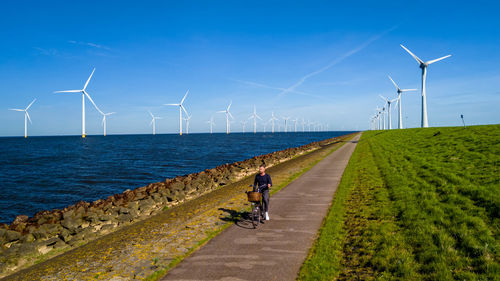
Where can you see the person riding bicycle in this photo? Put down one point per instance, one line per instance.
(263, 182)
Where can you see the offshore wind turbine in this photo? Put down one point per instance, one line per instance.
(243, 125)
(255, 116)
(303, 123)
(389, 102)
(26, 117)
(295, 124)
(153, 121)
(423, 65)
(228, 114)
(400, 112)
(181, 108)
(211, 123)
(286, 121)
(273, 118)
(104, 119)
(187, 123)
(84, 93)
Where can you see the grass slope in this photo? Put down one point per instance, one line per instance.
(416, 204)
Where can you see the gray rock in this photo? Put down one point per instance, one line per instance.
(71, 224)
(65, 235)
(123, 210)
(134, 205)
(11, 235)
(125, 218)
(27, 238)
(107, 228)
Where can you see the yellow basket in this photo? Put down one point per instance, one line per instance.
(254, 196)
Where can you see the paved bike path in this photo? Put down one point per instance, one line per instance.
(276, 249)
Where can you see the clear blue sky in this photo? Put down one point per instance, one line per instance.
(148, 53)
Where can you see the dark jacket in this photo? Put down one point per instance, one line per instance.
(262, 181)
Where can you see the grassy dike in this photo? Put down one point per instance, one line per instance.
(148, 249)
(415, 204)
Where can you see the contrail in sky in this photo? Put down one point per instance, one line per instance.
(334, 62)
(275, 88)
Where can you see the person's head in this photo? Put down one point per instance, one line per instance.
(262, 169)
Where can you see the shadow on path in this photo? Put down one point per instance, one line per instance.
(241, 219)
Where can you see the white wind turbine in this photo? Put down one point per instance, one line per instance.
(104, 119)
(273, 118)
(187, 119)
(26, 117)
(228, 114)
(303, 124)
(153, 121)
(84, 93)
(400, 112)
(181, 108)
(379, 120)
(383, 115)
(423, 65)
(254, 116)
(389, 102)
(243, 125)
(211, 123)
(295, 124)
(286, 123)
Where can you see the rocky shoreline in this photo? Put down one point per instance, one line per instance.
(26, 239)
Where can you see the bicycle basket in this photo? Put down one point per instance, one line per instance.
(254, 196)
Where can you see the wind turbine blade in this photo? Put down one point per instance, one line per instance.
(441, 58)
(222, 111)
(185, 111)
(413, 55)
(69, 91)
(229, 106)
(91, 100)
(230, 114)
(176, 104)
(396, 85)
(184, 96)
(383, 98)
(30, 104)
(88, 80)
(27, 114)
(407, 90)
(151, 123)
(258, 116)
(15, 109)
(151, 114)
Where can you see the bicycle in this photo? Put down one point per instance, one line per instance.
(255, 197)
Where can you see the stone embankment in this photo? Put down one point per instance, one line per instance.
(26, 240)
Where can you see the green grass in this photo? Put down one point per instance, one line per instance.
(416, 204)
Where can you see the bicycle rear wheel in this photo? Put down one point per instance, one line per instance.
(256, 216)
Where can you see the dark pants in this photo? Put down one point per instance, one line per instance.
(265, 200)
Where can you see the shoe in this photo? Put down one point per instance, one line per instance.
(267, 216)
